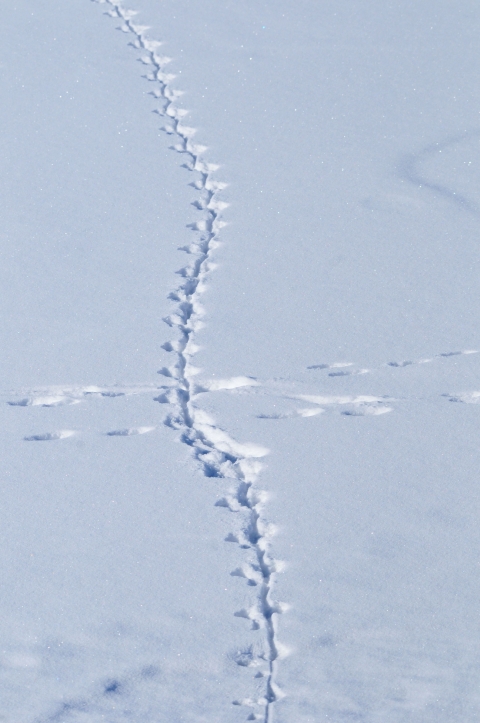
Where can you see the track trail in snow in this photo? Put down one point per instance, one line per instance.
(215, 451)
(317, 394)
(345, 369)
(217, 454)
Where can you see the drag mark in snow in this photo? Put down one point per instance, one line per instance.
(217, 454)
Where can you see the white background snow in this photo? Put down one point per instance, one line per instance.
(334, 322)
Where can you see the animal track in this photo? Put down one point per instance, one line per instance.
(366, 410)
(466, 398)
(336, 365)
(48, 436)
(216, 452)
(401, 364)
(216, 385)
(349, 373)
(396, 364)
(54, 401)
(63, 434)
(129, 432)
(308, 412)
(56, 397)
(341, 367)
(357, 406)
(59, 396)
(354, 406)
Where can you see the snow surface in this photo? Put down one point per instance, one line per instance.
(281, 525)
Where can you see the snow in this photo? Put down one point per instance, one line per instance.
(265, 508)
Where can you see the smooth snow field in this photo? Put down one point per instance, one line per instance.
(240, 396)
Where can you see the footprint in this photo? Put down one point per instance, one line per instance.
(253, 614)
(336, 400)
(308, 412)
(251, 573)
(400, 364)
(352, 373)
(337, 365)
(48, 436)
(366, 411)
(446, 354)
(129, 432)
(47, 401)
(246, 657)
(467, 398)
(216, 385)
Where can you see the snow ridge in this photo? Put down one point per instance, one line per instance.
(217, 454)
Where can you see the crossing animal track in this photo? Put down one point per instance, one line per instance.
(354, 406)
(53, 397)
(56, 396)
(360, 406)
(346, 405)
(66, 433)
(342, 369)
(349, 405)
